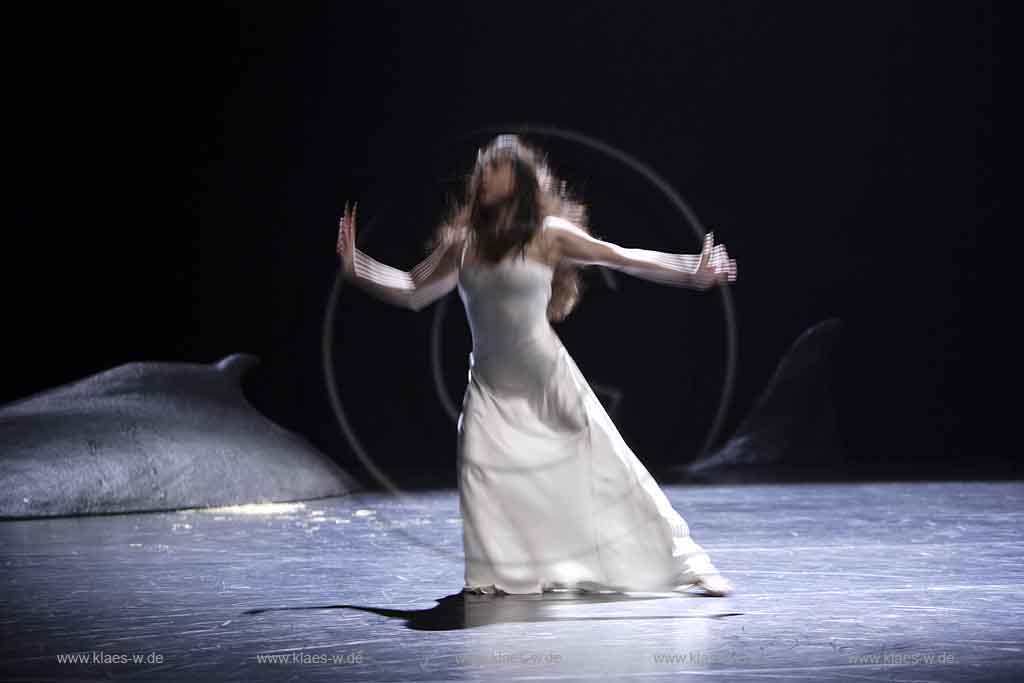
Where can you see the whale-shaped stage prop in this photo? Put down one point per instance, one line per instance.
(154, 436)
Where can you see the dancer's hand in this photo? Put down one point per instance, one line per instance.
(715, 266)
(347, 241)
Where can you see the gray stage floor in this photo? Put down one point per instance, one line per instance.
(900, 581)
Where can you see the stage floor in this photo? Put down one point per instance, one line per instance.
(871, 581)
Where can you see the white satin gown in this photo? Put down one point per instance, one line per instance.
(550, 494)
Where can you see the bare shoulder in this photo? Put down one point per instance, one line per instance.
(557, 231)
(573, 244)
(444, 255)
(556, 227)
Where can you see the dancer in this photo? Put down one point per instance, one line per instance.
(551, 496)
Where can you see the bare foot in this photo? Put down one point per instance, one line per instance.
(716, 585)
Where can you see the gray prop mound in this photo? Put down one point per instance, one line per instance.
(793, 423)
(153, 436)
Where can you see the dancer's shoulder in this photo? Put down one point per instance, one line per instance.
(557, 228)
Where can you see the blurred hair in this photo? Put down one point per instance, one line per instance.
(538, 193)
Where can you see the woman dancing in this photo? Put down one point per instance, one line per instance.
(551, 496)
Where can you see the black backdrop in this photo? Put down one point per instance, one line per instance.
(178, 173)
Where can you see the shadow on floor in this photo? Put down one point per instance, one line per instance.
(466, 610)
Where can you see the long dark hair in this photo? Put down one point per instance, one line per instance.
(538, 193)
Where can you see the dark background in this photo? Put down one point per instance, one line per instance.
(178, 173)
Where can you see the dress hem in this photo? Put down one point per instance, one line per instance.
(593, 587)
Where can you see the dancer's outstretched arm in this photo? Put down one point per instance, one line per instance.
(428, 281)
(698, 271)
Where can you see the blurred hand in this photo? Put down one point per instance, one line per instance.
(347, 241)
(715, 266)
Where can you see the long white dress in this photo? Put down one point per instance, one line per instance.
(550, 494)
